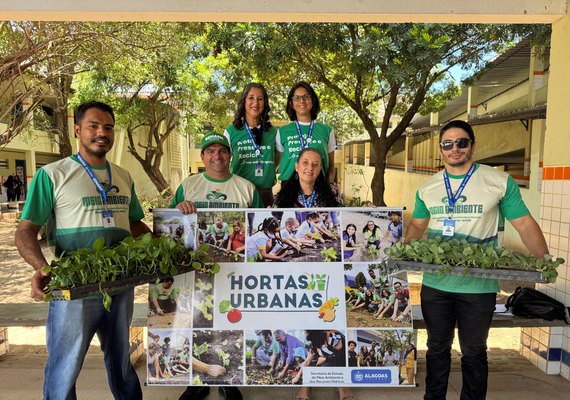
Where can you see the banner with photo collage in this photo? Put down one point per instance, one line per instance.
(302, 298)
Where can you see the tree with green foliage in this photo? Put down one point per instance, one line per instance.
(162, 82)
(383, 72)
(37, 63)
(360, 280)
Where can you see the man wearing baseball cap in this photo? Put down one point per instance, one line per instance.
(214, 188)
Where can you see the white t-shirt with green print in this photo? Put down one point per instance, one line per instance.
(489, 197)
(206, 192)
(62, 194)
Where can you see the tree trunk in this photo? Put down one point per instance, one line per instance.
(378, 184)
(61, 87)
(158, 180)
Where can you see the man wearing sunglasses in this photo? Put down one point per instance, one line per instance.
(465, 201)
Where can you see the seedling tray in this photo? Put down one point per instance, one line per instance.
(82, 291)
(494, 273)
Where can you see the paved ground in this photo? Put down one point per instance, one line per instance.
(510, 378)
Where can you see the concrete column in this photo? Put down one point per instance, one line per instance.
(555, 205)
(472, 94)
(409, 149)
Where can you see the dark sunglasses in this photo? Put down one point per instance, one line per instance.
(461, 143)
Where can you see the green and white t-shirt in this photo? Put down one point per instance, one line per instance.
(287, 142)
(489, 197)
(244, 160)
(62, 194)
(205, 192)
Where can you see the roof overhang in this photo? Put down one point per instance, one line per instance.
(434, 11)
(530, 113)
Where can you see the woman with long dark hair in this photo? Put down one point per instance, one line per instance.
(303, 132)
(18, 186)
(252, 140)
(349, 237)
(372, 234)
(409, 363)
(307, 187)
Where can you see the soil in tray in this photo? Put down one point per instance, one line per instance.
(258, 375)
(220, 256)
(310, 254)
(363, 319)
(231, 342)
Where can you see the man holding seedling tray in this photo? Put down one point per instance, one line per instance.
(82, 198)
(465, 201)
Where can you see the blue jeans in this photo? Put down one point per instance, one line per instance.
(473, 314)
(70, 327)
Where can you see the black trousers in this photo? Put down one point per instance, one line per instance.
(473, 314)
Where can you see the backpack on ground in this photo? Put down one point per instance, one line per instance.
(530, 303)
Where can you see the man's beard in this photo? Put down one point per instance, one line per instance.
(461, 162)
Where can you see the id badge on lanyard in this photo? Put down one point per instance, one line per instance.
(108, 219)
(106, 215)
(448, 227)
(449, 222)
(258, 164)
(258, 169)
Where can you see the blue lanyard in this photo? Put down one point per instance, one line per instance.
(255, 146)
(92, 176)
(452, 198)
(309, 135)
(310, 203)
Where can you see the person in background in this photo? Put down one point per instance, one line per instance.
(409, 363)
(364, 359)
(236, 241)
(387, 303)
(265, 350)
(164, 297)
(349, 237)
(10, 191)
(218, 233)
(487, 196)
(82, 198)
(18, 187)
(371, 233)
(395, 228)
(303, 132)
(287, 345)
(252, 141)
(352, 354)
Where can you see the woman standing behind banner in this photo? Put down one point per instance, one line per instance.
(304, 132)
(252, 141)
(308, 188)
